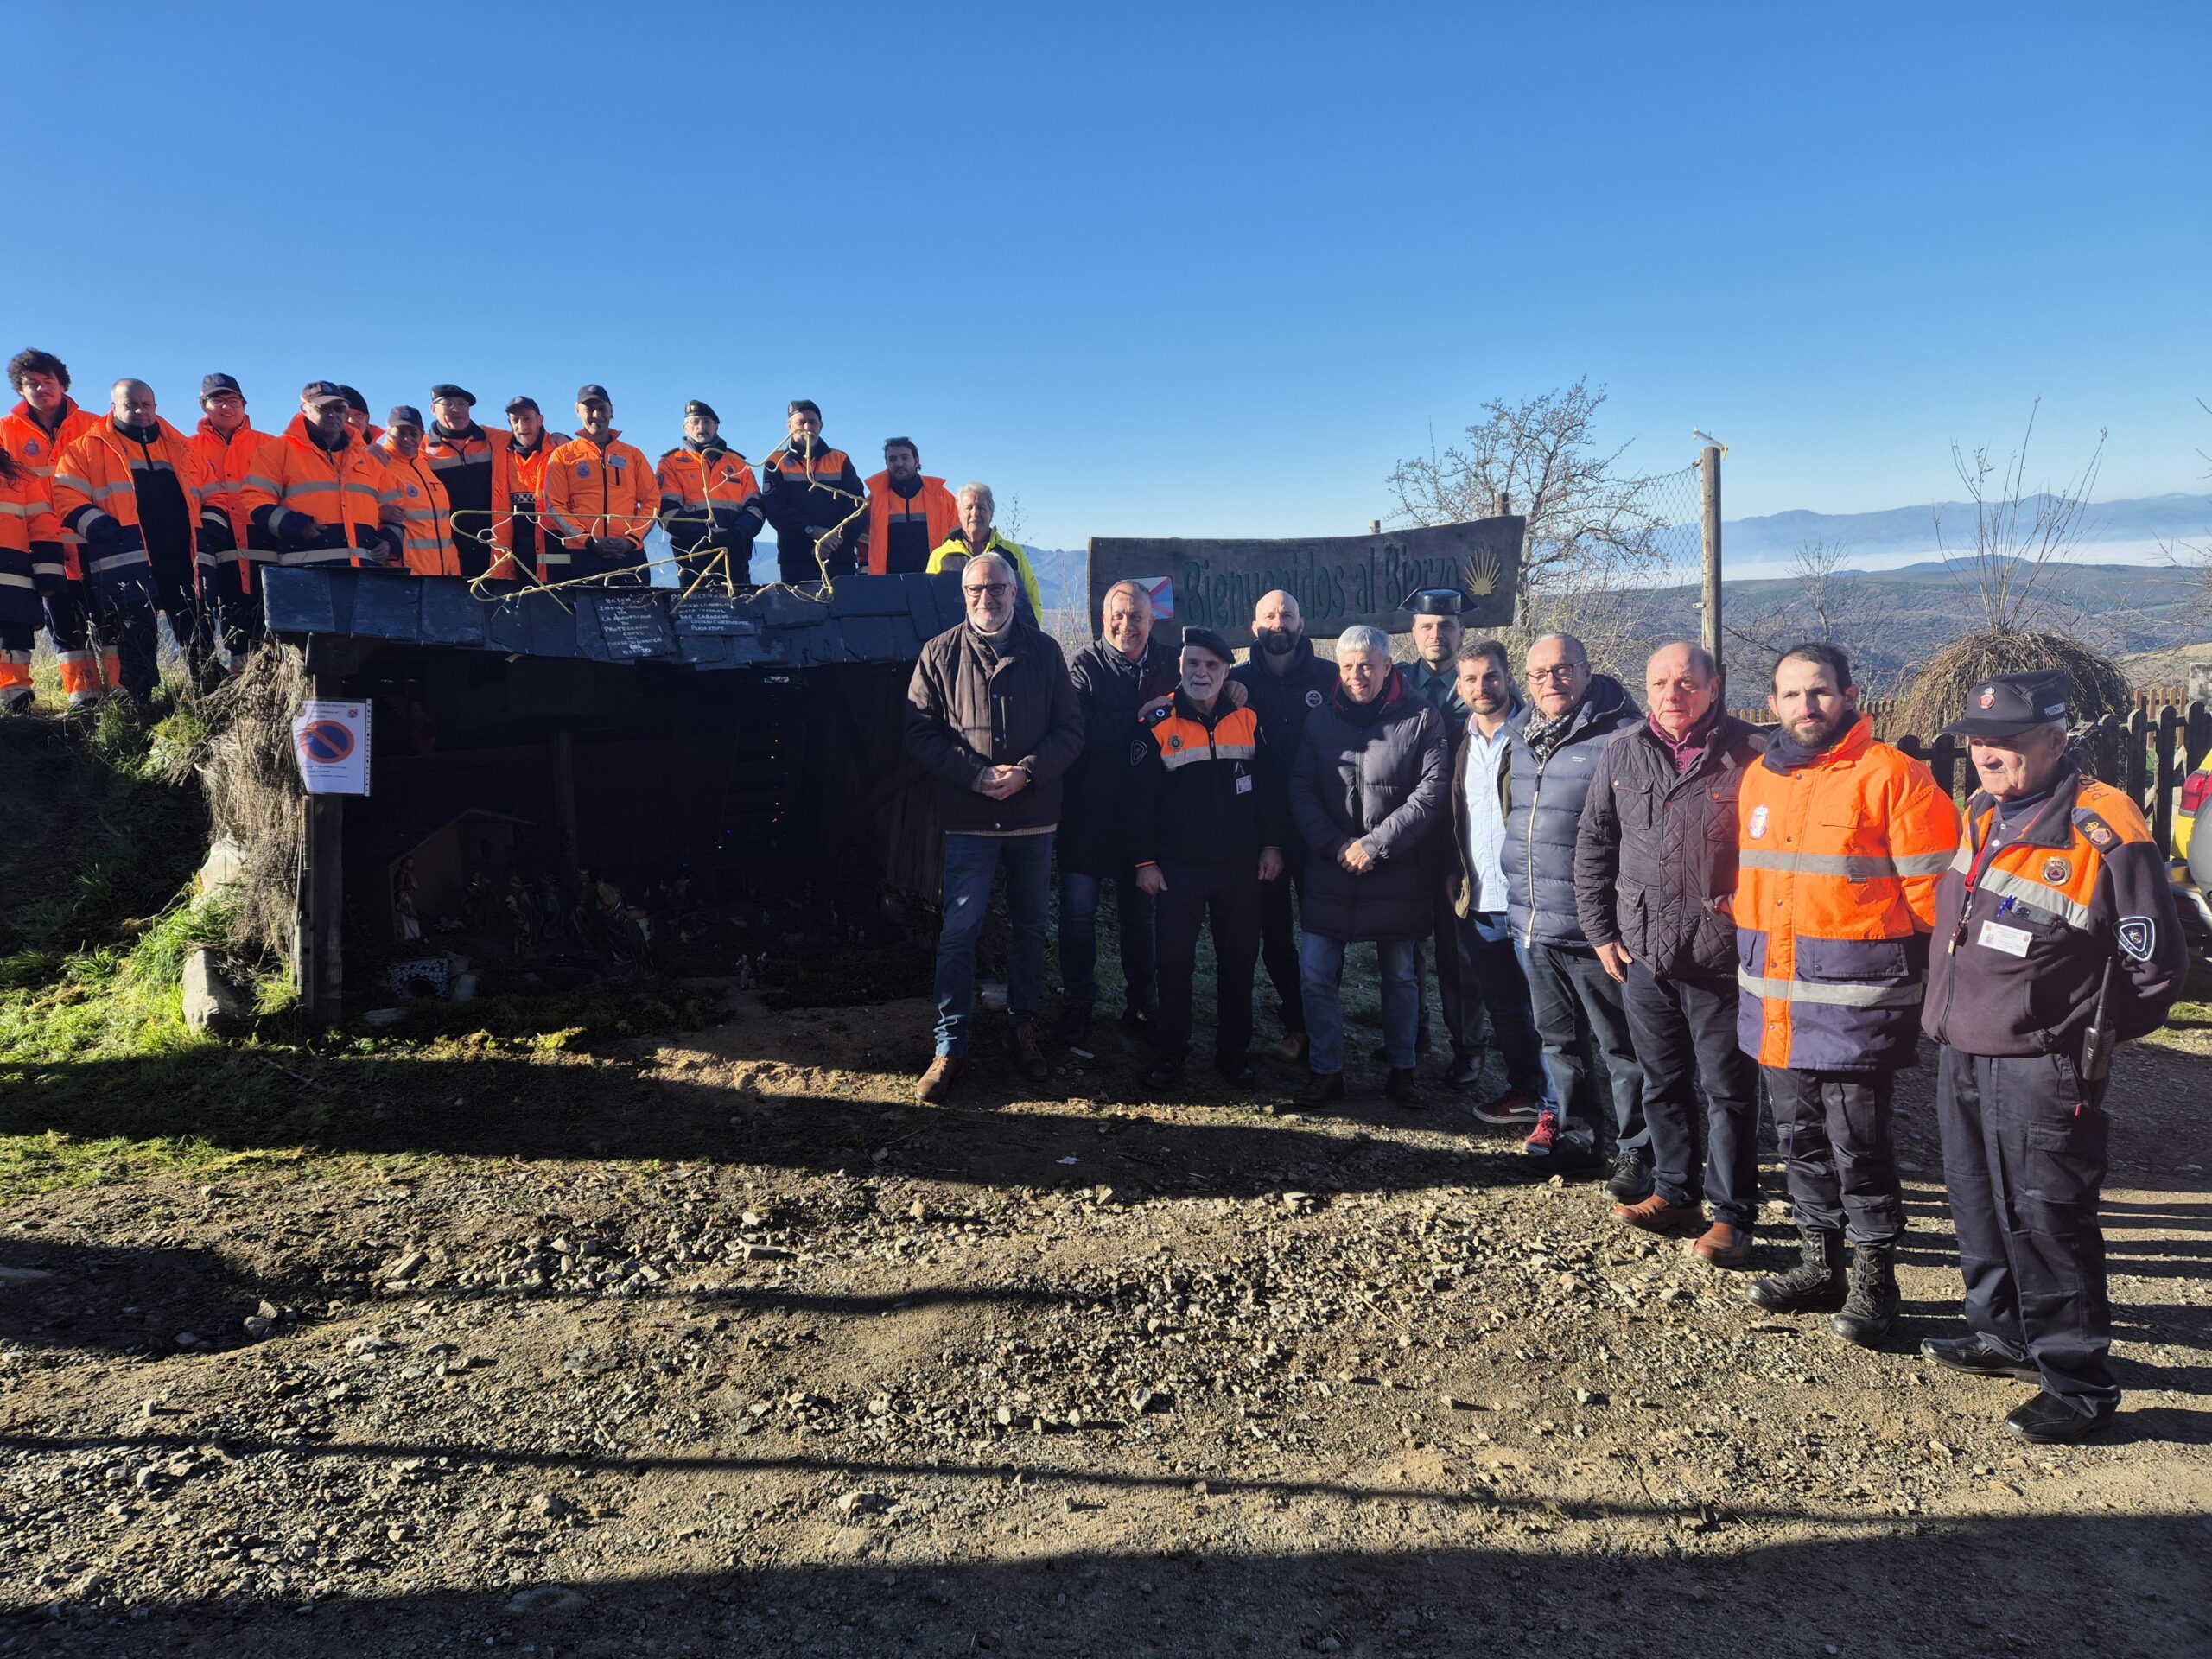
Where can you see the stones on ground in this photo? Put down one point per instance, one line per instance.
(544, 1600)
(212, 1003)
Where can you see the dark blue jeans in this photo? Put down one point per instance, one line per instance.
(1079, 939)
(1685, 1034)
(970, 861)
(1572, 997)
(1487, 963)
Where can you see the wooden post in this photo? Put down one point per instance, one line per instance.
(319, 931)
(1709, 470)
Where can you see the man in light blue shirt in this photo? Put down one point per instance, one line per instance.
(1476, 881)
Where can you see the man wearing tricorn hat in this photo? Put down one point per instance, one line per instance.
(2056, 937)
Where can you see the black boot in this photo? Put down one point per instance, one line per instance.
(1869, 1310)
(1814, 1285)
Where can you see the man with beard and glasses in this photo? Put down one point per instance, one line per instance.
(1840, 843)
(1283, 681)
(909, 515)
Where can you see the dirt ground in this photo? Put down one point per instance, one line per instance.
(725, 1346)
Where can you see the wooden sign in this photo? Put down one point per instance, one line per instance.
(1340, 581)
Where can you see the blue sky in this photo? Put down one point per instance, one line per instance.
(1189, 270)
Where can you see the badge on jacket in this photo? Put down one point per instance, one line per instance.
(1758, 825)
(1313, 699)
(2139, 936)
(1138, 749)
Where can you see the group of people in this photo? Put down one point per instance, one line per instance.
(1660, 913)
(110, 518)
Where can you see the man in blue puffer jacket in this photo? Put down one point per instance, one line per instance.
(1570, 716)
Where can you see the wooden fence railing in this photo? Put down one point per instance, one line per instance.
(2147, 753)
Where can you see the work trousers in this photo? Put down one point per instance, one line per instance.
(970, 862)
(15, 640)
(1570, 996)
(1834, 1130)
(69, 621)
(123, 620)
(1278, 941)
(1321, 972)
(2023, 1160)
(1079, 939)
(1230, 891)
(238, 618)
(1684, 1029)
(1489, 965)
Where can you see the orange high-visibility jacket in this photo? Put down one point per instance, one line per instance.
(592, 491)
(522, 532)
(345, 492)
(31, 546)
(96, 479)
(491, 539)
(932, 507)
(32, 446)
(693, 482)
(1837, 864)
(426, 514)
(223, 463)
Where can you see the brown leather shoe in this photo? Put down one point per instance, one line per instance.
(1723, 1246)
(936, 1086)
(1656, 1215)
(1291, 1048)
(1028, 1056)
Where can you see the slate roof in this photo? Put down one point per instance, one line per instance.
(868, 619)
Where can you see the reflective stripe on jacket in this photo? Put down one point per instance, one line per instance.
(426, 512)
(36, 448)
(1194, 789)
(30, 545)
(957, 547)
(591, 492)
(533, 549)
(97, 478)
(474, 470)
(223, 463)
(931, 510)
(1837, 863)
(345, 491)
(702, 496)
(2017, 960)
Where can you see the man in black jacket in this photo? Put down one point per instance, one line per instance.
(1655, 866)
(1113, 678)
(1366, 791)
(1557, 740)
(1284, 682)
(1204, 837)
(991, 716)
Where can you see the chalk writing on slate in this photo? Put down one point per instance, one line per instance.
(633, 625)
(714, 614)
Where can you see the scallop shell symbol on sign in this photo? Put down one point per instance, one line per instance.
(1480, 573)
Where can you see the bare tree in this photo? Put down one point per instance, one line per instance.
(2019, 537)
(2196, 557)
(1590, 523)
(1833, 599)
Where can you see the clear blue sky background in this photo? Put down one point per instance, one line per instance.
(1195, 269)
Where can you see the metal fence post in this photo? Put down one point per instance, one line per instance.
(1709, 476)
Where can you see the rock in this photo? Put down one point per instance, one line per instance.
(407, 1267)
(768, 1253)
(859, 1502)
(223, 869)
(544, 1598)
(212, 1002)
(553, 1507)
(24, 1276)
(258, 1327)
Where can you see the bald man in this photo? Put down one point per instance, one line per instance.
(1284, 682)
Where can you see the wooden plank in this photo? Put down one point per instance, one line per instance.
(1340, 581)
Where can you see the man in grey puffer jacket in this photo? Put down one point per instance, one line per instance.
(1653, 874)
(1557, 740)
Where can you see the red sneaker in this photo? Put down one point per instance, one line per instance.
(1544, 1140)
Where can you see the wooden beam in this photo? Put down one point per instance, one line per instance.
(318, 915)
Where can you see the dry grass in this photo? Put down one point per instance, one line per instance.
(1936, 693)
(254, 794)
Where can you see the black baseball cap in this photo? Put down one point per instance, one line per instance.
(447, 388)
(212, 384)
(353, 399)
(321, 392)
(1207, 639)
(404, 415)
(530, 403)
(592, 394)
(2012, 703)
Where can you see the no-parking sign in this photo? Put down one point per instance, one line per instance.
(332, 742)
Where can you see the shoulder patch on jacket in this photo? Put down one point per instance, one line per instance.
(2102, 835)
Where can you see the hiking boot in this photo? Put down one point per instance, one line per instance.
(1870, 1308)
(1508, 1109)
(1814, 1285)
(1291, 1048)
(1544, 1140)
(2049, 1421)
(1321, 1088)
(1403, 1087)
(1075, 1025)
(17, 700)
(1630, 1181)
(1167, 1071)
(1974, 1355)
(1464, 1071)
(1656, 1215)
(1028, 1057)
(1236, 1071)
(936, 1085)
(1723, 1246)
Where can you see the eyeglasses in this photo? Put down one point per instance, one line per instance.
(1563, 673)
(995, 589)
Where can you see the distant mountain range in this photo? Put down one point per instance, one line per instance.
(2112, 531)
